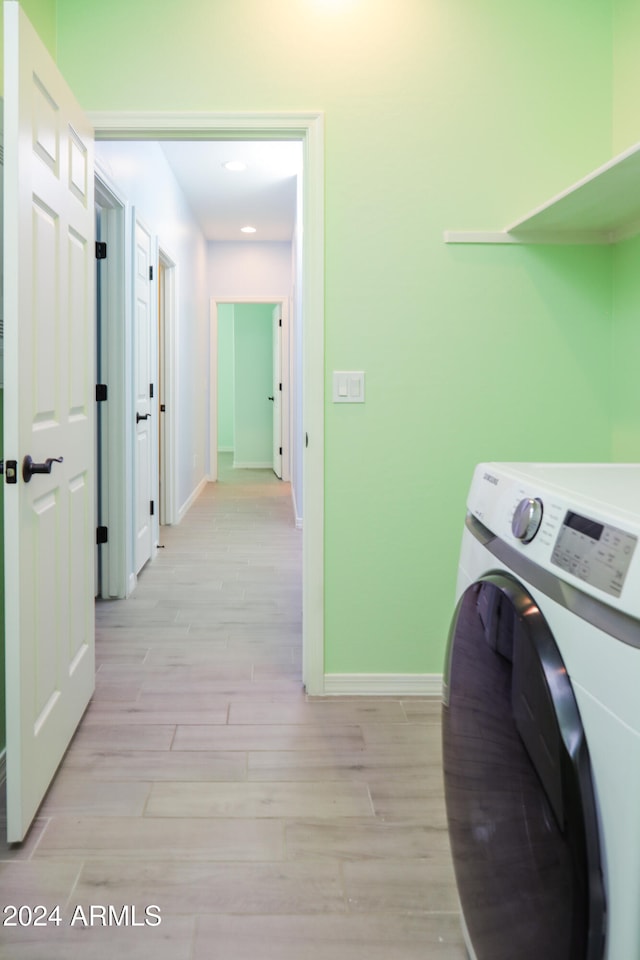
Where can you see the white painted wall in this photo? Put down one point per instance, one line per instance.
(143, 177)
(240, 270)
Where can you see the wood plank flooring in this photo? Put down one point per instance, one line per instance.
(263, 824)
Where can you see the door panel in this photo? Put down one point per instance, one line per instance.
(48, 413)
(143, 373)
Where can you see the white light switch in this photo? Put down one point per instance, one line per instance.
(348, 386)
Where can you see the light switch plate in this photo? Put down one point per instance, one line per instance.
(348, 386)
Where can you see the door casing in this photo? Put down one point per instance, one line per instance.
(308, 128)
(115, 371)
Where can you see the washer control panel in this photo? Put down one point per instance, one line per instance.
(595, 552)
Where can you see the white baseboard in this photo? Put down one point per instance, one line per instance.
(383, 684)
(186, 506)
(258, 465)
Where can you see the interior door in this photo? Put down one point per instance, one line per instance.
(48, 413)
(144, 326)
(277, 390)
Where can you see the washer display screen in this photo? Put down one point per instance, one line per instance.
(594, 552)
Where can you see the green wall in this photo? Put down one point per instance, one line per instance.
(42, 14)
(253, 384)
(626, 73)
(439, 114)
(626, 256)
(226, 385)
(626, 351)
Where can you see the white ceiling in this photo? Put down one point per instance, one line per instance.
(262, 196)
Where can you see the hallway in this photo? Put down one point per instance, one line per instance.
(262, 824)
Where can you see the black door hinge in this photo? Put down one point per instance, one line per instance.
(280, 322)
(162, 408)
(151, 391)
(151, 273)
(152, 508)
(280, 451)
(101, 250)
(280, 386)
(102, 535)
(101, 392)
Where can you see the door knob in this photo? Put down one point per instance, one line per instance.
(142, 416)
(29, 467)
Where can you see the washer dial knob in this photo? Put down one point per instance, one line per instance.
(526, 520)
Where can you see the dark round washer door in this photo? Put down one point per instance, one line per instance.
(518, 784)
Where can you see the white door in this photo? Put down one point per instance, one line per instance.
(144, 326)
(277, 390)
(48, 413)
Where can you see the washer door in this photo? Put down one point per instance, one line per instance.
(518, 784)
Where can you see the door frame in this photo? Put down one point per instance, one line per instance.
(308, 128)
(287, 375)
(115, 439)
(167, 423)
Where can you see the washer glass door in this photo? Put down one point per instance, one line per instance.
(518, 785)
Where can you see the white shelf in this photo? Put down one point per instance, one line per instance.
(603, 207)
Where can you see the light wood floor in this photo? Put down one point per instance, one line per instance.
(263, 824)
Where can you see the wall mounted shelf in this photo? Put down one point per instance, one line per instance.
(603, 207)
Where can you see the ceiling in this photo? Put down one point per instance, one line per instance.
(262, 196)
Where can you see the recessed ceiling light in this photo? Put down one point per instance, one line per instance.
(234, 165)
(247, 229)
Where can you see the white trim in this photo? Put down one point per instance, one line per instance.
(115, 372)
(213, 391)
(383, 684)
(169, 419)
(258, 465)
(307, 127)
(186, 506)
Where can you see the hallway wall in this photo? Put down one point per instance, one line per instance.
(241, 270)
(142, 173)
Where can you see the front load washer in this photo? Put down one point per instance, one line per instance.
(541, 713)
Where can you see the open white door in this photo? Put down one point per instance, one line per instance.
(277, 390)
(48, 413)
(144, 325)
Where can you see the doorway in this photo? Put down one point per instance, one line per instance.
(279, 382)
(308, 129)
